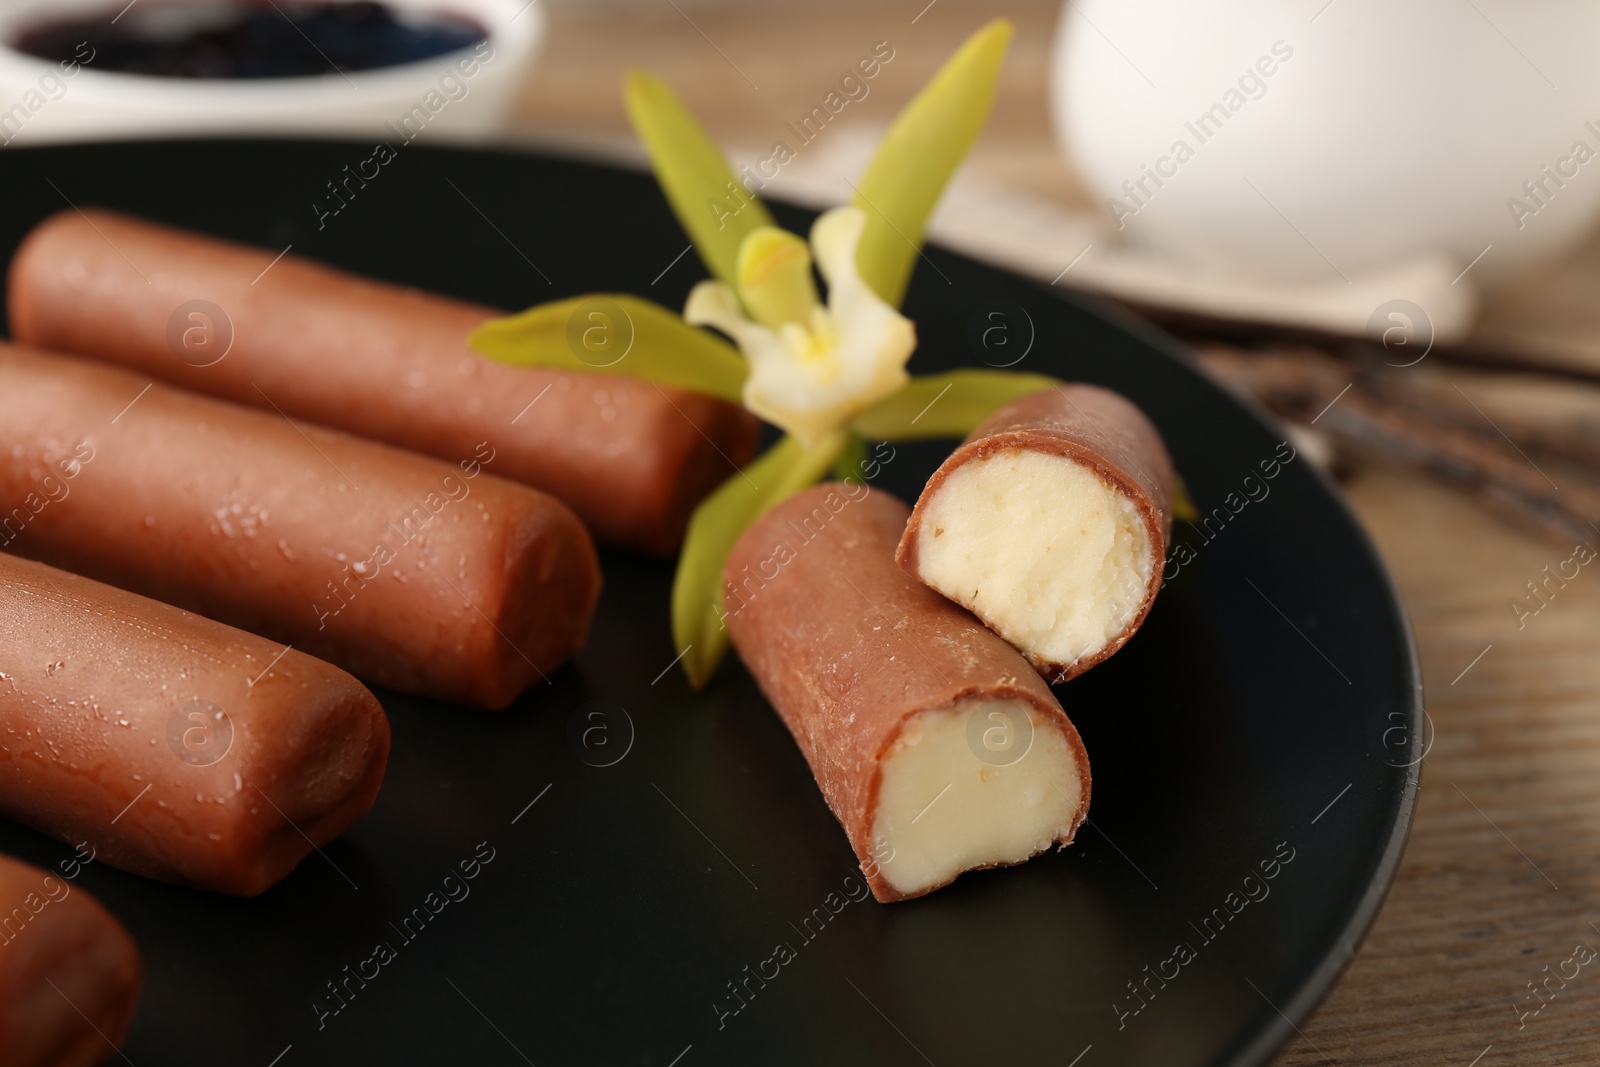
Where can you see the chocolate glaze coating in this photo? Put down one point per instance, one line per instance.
(61, 953)
(848, 647)
(377, 360)
(100, 743)
(400, 568)
(1102, 430)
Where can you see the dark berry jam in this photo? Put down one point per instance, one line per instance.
(250, 38)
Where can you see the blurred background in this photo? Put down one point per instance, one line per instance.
(1378, 222)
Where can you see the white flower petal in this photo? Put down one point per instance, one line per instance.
(834, 237)
(715, 304)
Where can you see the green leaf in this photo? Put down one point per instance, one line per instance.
(1182, 503)
(946, 405)
(853, 460)
(716, 525)
(714, 208)
(917, 156)
(614, 333)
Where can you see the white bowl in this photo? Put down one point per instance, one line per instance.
(40, 102)
(1391, 130)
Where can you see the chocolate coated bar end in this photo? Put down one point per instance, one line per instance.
(69, 972)
(1050, 524)
(955, 794)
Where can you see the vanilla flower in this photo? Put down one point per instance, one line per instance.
(813, 367)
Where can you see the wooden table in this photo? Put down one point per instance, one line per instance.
(1501, 877)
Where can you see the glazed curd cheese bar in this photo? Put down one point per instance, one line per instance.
(1050, 523)
(173, 746)
(69, 972)
(428, 577)
(938, 748)
(374, 359)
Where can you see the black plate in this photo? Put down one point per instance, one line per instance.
(1269, 708)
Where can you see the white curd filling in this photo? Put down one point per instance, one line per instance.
(981, 783)
(1041, 548)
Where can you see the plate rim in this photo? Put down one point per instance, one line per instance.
(1319, 981)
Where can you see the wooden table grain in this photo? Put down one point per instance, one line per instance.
(1501, 879)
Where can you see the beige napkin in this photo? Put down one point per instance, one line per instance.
(1058, 244)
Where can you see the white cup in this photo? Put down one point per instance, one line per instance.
(1325, 139)
(461, 95)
